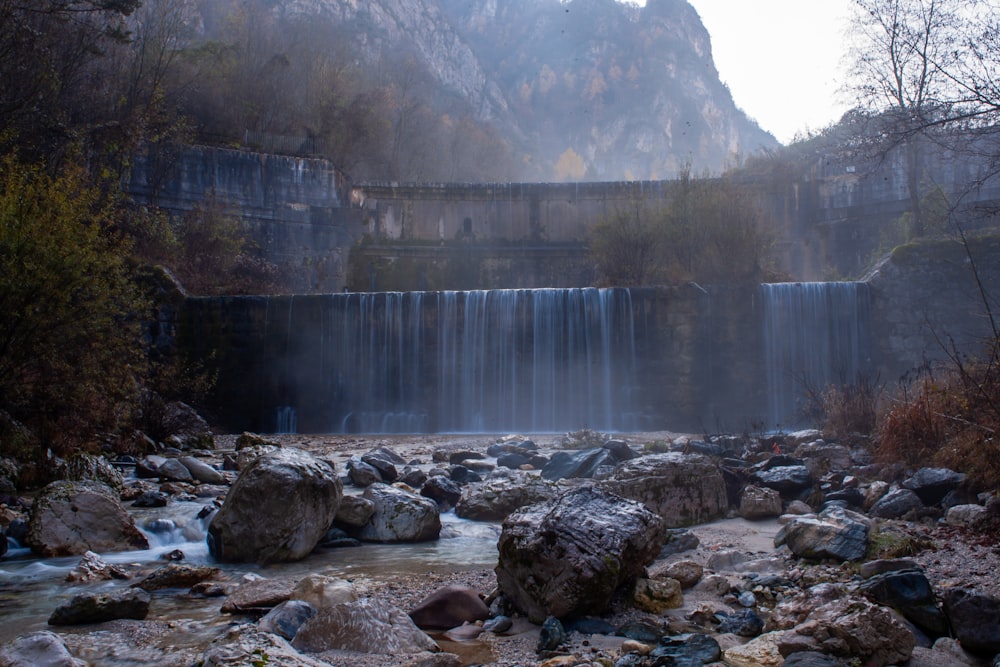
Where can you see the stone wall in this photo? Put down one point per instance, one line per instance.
(931, 299)
(296, 208)
(308, 219)
(700, 353)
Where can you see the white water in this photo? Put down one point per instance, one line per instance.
(815, 335)
(31, 588)
(540, 360)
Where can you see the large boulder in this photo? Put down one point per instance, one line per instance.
(72, 518)
(791, 481)
(932, 484)
(84, 467)
(568, 556)
(975, 618)
(202, 471)
(759, 503)
(908, 591)
(836, 533)
(400, 516)
(278, 509)
(859, 629)
(502, 493)
(578, 464)
(365, 626)
(450, 607)
(684, 489)
(895, 504)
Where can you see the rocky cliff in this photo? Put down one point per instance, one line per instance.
(582, 90)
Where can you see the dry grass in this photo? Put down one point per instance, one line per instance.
(951, 420)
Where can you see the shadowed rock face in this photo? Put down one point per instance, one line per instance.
(567, 557)
(277, 510)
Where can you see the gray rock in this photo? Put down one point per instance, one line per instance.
(100, 607)
(568, 556)
(413, 477)
(797, 438)
(400, 516)
(361, 473)
(176, 575)
(151, 499)
(384, 460)
(441, 490)
(286, 619)
(759, 503)
(909, 592)
(975, 517)
(278, 509)
(366, 626)
(551, 636)
(682, 489)
(38, 649)
(895, 504)
(323, 591)
(822, 457)
(691, 649)
(836, 533)
(201, 471)
(245, 645)
(790, 481)
(256, 595)
(450, 607)
(578, 464)
(71, 518)
(813, 659)
(974, 618)
(93, 568)
(354, 511)
(502, 493)
(856, 628)
(745, 623)
(175, 471)
(83, 467)
(932, 484)
(686, 572)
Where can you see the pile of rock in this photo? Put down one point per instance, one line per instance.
(593, 552)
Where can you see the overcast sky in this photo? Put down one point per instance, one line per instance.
(780, 58)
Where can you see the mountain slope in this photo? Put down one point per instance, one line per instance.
(582, 90)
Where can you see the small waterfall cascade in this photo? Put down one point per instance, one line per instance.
(532, 360)
(815, 335)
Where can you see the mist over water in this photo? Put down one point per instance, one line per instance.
(815, 335)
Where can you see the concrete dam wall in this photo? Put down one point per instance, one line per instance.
(326, 234)
(684, 358)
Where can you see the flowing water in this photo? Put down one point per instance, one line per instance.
(815, 335)
(31, 588)
(487, 361)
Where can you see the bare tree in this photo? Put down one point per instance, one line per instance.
(900, 57)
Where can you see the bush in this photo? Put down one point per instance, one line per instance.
(951, 421)
(706, 230)
(846, 410)
(71, 352)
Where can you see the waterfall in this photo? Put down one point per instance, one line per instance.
(531, 360)
(815, 335)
